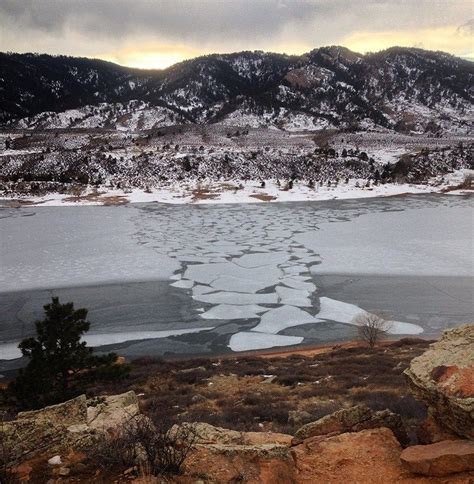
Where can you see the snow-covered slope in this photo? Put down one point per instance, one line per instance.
(130, 116)
(403, 89)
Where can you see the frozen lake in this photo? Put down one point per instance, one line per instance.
(183, 279)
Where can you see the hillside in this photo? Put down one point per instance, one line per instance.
(400, 412)
(403, 89)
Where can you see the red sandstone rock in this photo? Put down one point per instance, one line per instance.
(440, 459)
(443, 378)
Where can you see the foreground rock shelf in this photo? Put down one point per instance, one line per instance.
(354, 444)
(443, 378)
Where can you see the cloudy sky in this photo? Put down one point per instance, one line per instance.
(158, 33)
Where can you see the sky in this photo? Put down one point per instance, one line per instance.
(159, 33)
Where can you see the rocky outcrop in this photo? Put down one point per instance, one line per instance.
(112, 411)
(364, 457)
(68, 413)
(430, 432)
(443, 378)
(353, 419)
(45, 430)
(76, 423)
(369, 456)
(205, 433)
(440, 459)
(224, 455)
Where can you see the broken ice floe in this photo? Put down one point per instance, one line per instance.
(238, 298)
(246, 341)
(278, 319)
(231, 311)
(183, 284)
(251, 268)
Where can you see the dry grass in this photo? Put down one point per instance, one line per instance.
(277, 393)
(98, 197)
(228, 187)
(18, 203)
(466, 184)
(203, 194)
(255, 393)
(114, 200)
(264, 197)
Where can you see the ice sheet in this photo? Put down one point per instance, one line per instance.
(238, 298)
(73, 246)
(421, 242)
(246, 341)
(183, 284)
(207, 273)
(345, 313)
(293, 297)
(278, 319)
(10, 351)
(231, 311)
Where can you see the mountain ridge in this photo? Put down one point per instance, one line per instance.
(403, 89)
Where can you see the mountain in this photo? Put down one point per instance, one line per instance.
(404, 89)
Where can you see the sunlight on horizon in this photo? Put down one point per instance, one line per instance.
(151, 56)
(161, 56)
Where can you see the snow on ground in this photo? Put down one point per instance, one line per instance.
(251, 192)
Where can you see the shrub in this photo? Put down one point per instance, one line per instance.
(371, 327)
(154, 449)
(321, 409)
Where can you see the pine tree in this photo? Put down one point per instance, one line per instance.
(57, 356)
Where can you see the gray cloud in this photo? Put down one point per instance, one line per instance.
(216, 24)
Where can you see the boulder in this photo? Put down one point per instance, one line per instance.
(205, 434)
(430, 432)
(352, 419)
(368, 456)
(45, 430)
(222, 455)
(68, 413)
(443, 378)
(71, 424)
(440, 459)
(241, 464)
(112, 411)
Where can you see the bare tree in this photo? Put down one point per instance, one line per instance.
(371, 327)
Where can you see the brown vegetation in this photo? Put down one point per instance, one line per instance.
(272, 393)
(264, 197)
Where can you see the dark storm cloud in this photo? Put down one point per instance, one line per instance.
(206, 18)
(115, 27)
(171, 18)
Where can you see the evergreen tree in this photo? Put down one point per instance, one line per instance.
(58, 360)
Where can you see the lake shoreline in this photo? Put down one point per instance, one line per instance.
(232, 279)
(239, 192)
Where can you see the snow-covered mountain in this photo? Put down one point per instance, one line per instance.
(402, 89)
